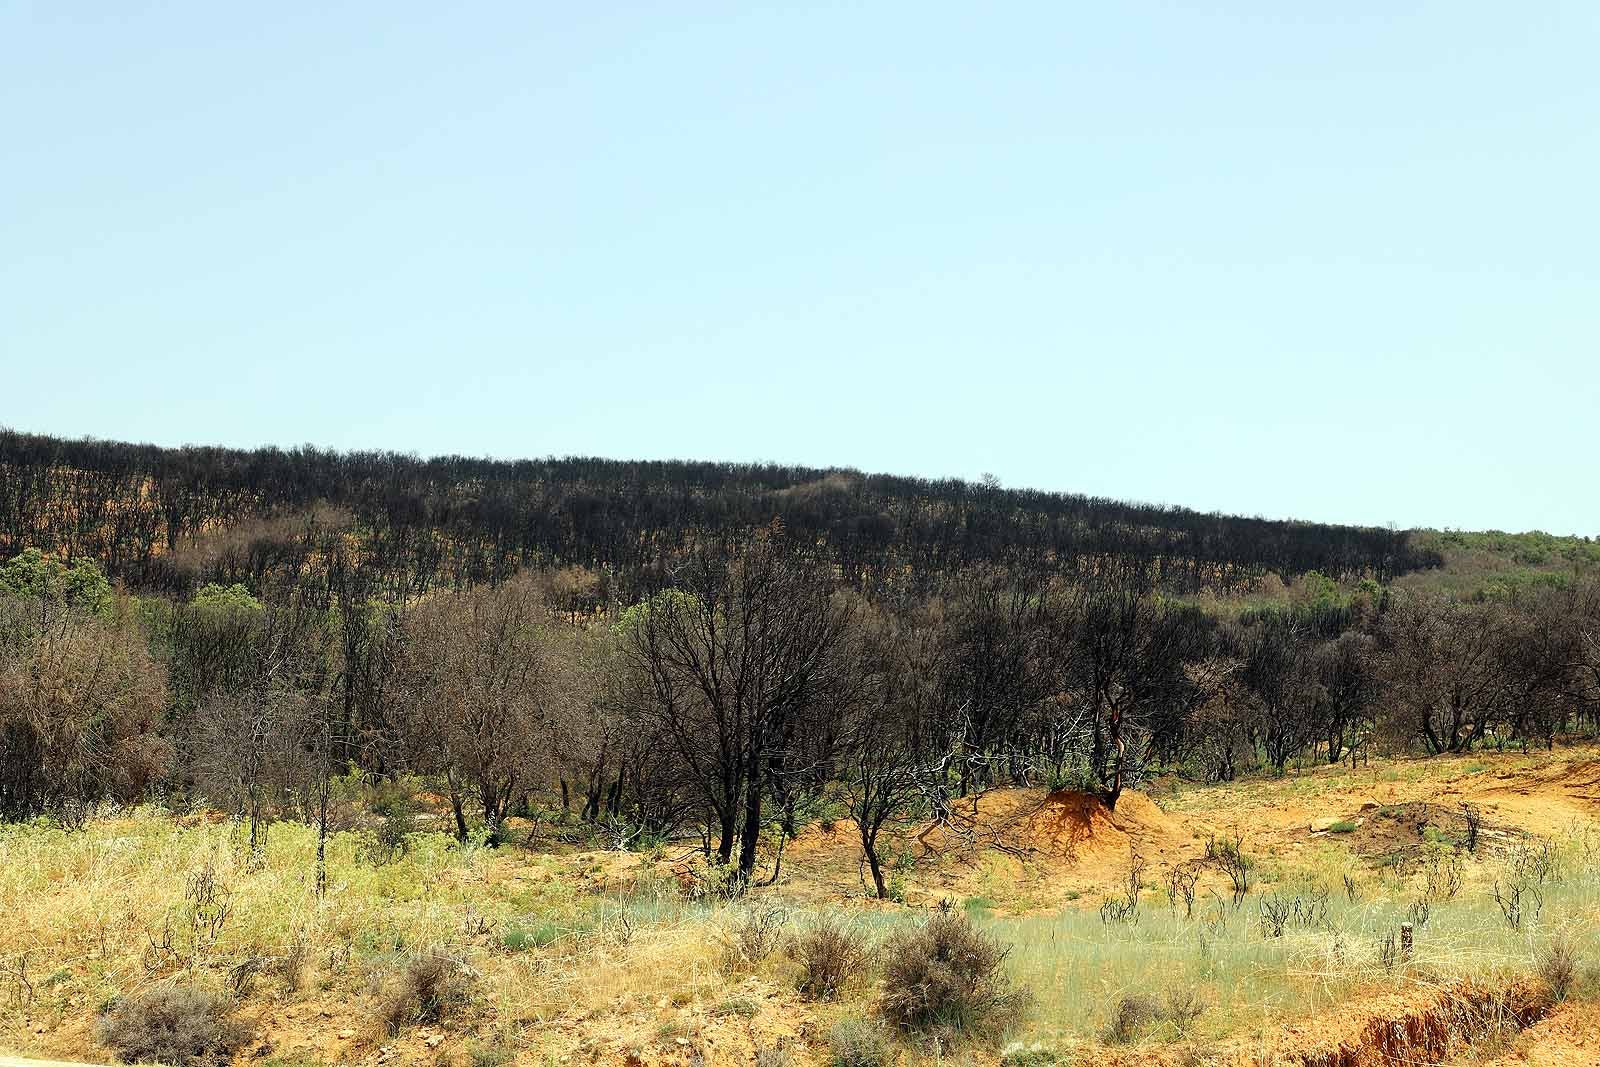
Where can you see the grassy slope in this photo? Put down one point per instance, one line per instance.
(1490, 560)
(596, 954)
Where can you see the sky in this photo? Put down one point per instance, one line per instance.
(1338, 262)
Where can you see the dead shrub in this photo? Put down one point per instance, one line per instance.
(1517, 900)
(1443, 872)
(948, 975)
(1474, 821)
(178, 1025)
(1388, 951)
(830, 952)
(1183, 1009)
(1181, 885)
(1131, 1015)
(1228, 856)
(427, 989)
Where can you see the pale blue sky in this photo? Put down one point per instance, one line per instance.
(1334, 261)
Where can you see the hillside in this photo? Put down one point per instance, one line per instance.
(159, 518)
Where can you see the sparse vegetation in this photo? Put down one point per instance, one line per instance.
(757, 933)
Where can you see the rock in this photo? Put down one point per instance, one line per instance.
(346, 1034)
(434, 1040)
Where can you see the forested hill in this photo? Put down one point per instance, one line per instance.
(167, 518)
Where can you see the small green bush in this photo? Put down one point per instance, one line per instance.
(1017, 1054)
(741, 1006)
(491, 1054)
(1343, 826)
(519, 938)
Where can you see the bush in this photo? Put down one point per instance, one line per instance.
(1017, 1054)
(830, 952)
(1558, 965)
(947, 974)
(391, 839)
(1133, 1012)
(776, 1056)
(752, 939)
(854, 1043)
(491, 1054)
(172, 1024)
(426, 990)
(1183, 1008)
(519, 938)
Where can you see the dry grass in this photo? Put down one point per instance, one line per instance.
(575, 954)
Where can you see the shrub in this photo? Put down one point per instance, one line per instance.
(1183, 1007)
(948, 974)
(1343, 826)
(391, 839)
(291, 966)
(1133, 1013)
(776, 1056)
(854, 1043)
(741, 1006)
(752, 939)
(491, 1054)
(427, 989)
(172, 1024)
(1017, 1054)
(519, 938)
(1557, 963)
(830, 952)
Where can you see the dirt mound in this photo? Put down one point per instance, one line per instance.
(1047, 848)
(1078, 827)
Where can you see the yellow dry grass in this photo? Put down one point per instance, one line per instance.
(594, 956)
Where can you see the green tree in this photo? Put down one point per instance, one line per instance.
(33, 575)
